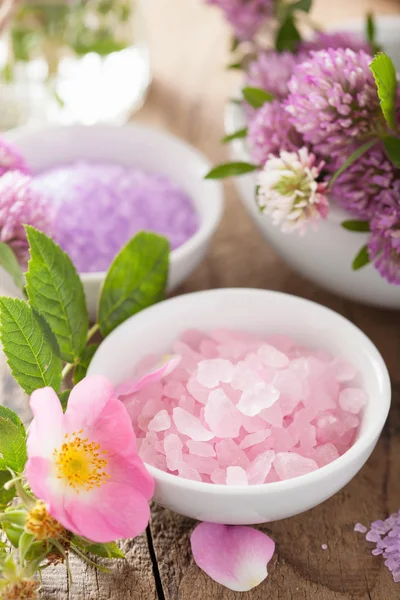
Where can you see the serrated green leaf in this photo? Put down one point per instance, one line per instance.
(6, 496)
(136, 279)
(9, 262)
(361, 259)
(384, 73)
(109, 550)
(64, 396)
(256, 97)
(288, 36)
(240, 134)
(354, 225)
(352, 158)
(84, 362)
(29, 346)
(232, 169)
(12, 445)
(9, 414)
(56, 292)
(392, 147)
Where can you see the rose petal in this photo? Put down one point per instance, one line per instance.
(233, 556)
(167, 367)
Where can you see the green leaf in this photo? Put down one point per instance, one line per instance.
(352, 158)
(370, 31)
(392, 147)
(234, 44)
(84, 362)
(109, 550)
(239, 134)
(7, 413)
(288, 36)
(304, 5)
(237, 66)
(256, 97)
(384, 73)
(354, 225)
(64, 396)
(6, 496)
(136, 279)
(29, 346)
(361, 259)
(232, 169)
(9, 262)
(56, 292)
(12, 445)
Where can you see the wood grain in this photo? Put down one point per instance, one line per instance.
(188, 43)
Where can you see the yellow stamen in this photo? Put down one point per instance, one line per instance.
(81, 463)
(42, 525)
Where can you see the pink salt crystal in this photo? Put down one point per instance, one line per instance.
(200, 448)
(189, 425)
(281, 342)
(209, 349)
(324, 546)
(160, 422)
(289, 386)
(236, 476)
(352, 400)
(360, 528)
(198, 391)
(190, 358)
(174, 389)
(272, 357)
(325, 454)
(281, 439)
(221, 415)
(202, 464)
(149, 410)
(213, 371)
(254, 438)
(258, 398)
(273, 415)
(193, 338)
(188, 472)
(219, 476)
(260, 467)
(245, 377)
(290, 464)
(253, 424)
(173, 450)
(342, 370)
(272, 476)
(148, 447)
(188, 403)
(229, 454)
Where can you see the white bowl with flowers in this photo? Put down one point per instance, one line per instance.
(328, 112)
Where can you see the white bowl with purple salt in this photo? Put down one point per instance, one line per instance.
(107, 183)
(248, 405)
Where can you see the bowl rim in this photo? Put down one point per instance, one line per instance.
(213, 206)
(359, 447)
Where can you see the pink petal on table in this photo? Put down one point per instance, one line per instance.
(134, 385)
(234, 556)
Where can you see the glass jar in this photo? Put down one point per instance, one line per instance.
(76, 61)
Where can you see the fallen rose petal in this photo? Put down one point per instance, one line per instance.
(234, 556)
(134, 385)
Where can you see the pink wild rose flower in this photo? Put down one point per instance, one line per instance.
(83, 464)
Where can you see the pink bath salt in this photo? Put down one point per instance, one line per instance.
(257, 399)
(187, 472)
(189, 425)
(282, 343)
(193, 338)
(232, 351)
(289, 386)
(160, 422)
(282, 440)
(260, 467)
(229, 454)
(236, 476)
(221, 416)
(290, 464)
(198, 391)
(203, 464)
(218, 476)
(214, 371)
(352, 400)
(200, 448)
(253, 424)
(273, 415)
(254, 438)
(209, 349)
(173, 451)
(147, 447)
(325, 454)
(189, 358)
(149, 411)
(272, 357)
(174, 390)
(342, 370)
(245, 377)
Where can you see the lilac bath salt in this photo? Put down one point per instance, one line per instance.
(100, 206)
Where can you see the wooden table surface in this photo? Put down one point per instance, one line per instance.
(188, 44)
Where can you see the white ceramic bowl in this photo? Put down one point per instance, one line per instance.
(325, 256)
(142, 147)
(261, 312)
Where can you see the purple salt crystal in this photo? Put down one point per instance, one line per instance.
(360, 528)
(100, 206)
